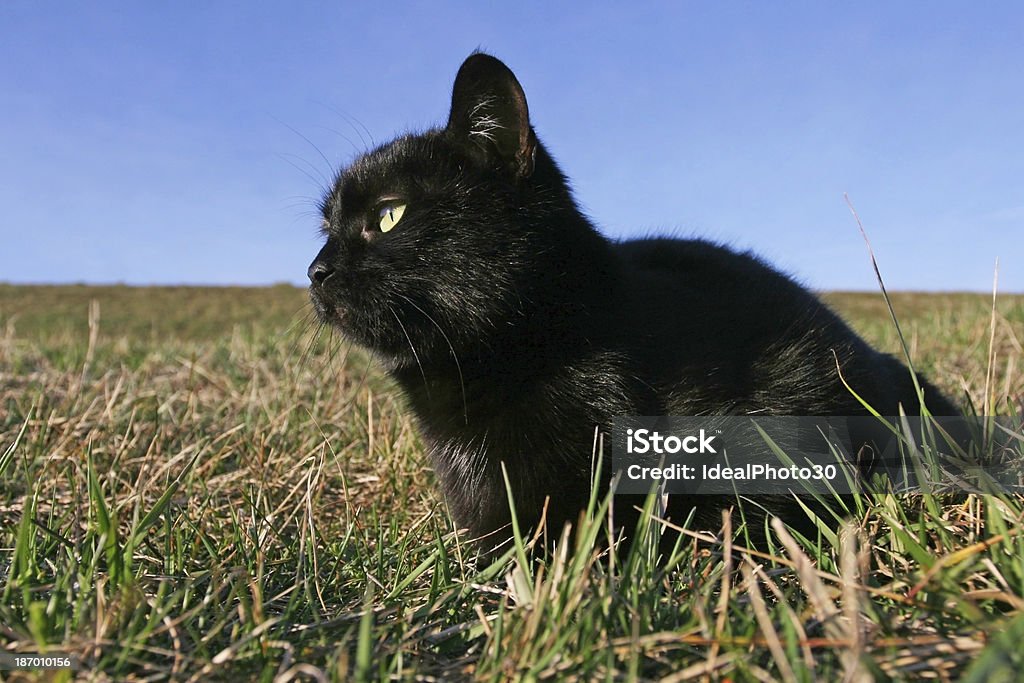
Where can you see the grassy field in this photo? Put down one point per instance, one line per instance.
(191, 488)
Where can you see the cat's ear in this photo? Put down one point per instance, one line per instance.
(489, 109)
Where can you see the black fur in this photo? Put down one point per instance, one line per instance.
(514, 328)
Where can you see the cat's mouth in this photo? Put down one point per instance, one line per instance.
(328, 312)
(344, 318)
(337, 316)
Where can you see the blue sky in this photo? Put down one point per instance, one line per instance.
(167, 142)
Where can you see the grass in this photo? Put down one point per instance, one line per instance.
(188, 492)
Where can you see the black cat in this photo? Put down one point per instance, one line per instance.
(460, 259)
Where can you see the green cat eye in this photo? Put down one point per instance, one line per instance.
(390, 214)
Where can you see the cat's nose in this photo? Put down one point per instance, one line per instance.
(319, 272)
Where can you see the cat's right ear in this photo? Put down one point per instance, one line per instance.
(489, 110)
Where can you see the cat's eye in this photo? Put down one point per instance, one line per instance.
(390, 214)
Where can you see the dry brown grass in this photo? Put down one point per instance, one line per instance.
(187, 491)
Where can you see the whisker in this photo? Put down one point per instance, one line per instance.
(330, 166)
(332, 348)
(366, 130)
(296, 330)
(366, 373)
(455, 356)
(349, 119)
(311, 343)
(345, 138)
(412, 348)
(321, 181)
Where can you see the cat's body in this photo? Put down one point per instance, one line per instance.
(516, 330)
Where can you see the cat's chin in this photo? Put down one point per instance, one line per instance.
(393, 362)
(327, 313)
(391, 359)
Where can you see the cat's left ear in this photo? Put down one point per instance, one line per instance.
(489, 109)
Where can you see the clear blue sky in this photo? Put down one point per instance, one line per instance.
(163, 142)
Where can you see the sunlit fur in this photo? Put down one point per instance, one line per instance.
(515, 329)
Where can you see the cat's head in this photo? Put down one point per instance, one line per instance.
(437, 240)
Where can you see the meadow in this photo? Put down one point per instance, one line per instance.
(194, 487)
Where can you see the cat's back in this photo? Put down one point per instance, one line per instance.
(699, 314)
(700, 263)
(707, 285)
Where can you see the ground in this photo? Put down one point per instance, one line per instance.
(193, 487)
